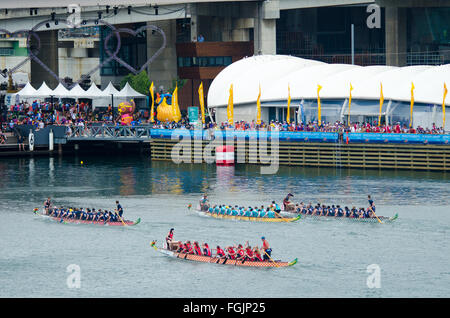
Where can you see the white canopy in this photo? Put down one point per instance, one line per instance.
(43, 91)
(60, 91)
(275, 72)
(27, 91)
(110, 89)
(128, 91)
(77, 92)
(95, 92)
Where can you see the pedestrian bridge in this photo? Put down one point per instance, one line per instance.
(109, 133)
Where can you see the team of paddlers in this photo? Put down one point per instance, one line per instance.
(273, 210)
(235, 252)
(84, 214)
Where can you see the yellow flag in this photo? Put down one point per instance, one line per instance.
(443, 106)
(175, 108)
(288, 119)
(381, 103)
(230, 107)
(152, 109)
(258, 107)
(412, 104)
(202, 101)
(349, 104)
(318, 104)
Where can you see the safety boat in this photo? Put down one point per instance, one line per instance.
(78, 221)
(222, 261)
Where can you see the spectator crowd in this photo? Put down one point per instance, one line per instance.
(41, 114)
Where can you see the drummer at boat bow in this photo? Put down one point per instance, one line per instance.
(287, 205)
(47, 204)
(169, 237)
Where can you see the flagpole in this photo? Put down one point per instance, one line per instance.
(381, 104)
(258, 107)
(412, 104)
(288, 115)
(349, 104)
(443, 107)
(319, 114)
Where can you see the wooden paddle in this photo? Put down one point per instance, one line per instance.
(121, 220)
(270, 258)
(281, 217)
(376, 215)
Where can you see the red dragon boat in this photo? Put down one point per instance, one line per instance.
(223, 261)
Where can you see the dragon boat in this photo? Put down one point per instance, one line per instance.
(380, 219)
(279, 219)
(78, 221)
(222, 261)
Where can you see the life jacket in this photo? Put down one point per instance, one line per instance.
(249, 252)
(188, 248)
(220, 252)
(197, 250)
(241, 252)
(258, 257)
(170, 236)
(265, 245)
(231, 253)
(207, 251)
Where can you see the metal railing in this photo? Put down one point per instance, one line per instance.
(113, 133)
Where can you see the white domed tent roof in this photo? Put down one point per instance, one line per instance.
(247, 74)
(275, 72)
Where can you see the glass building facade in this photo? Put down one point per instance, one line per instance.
(325, 34)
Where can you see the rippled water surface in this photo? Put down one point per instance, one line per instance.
(412, 252)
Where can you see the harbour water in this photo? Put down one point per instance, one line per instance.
(412, 253)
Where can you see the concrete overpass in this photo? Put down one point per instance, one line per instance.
(234, 20)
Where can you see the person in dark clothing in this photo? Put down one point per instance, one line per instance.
(119, 209)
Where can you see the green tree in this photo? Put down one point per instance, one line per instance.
(139, 82)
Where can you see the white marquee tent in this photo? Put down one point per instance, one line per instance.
(99, 97)
(27, 91)
(275, 72)
(127, 92)
(43, 91)
(60, 91)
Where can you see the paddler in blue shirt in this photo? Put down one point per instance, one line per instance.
(276, 207)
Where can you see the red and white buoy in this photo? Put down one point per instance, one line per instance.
(225, 155)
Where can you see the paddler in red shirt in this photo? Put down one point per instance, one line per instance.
(219, 252)
(197, 249)
(240, 252)
(188, 248)
(231, 254)
(206, 250)
(249, 253)
(257, 254)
